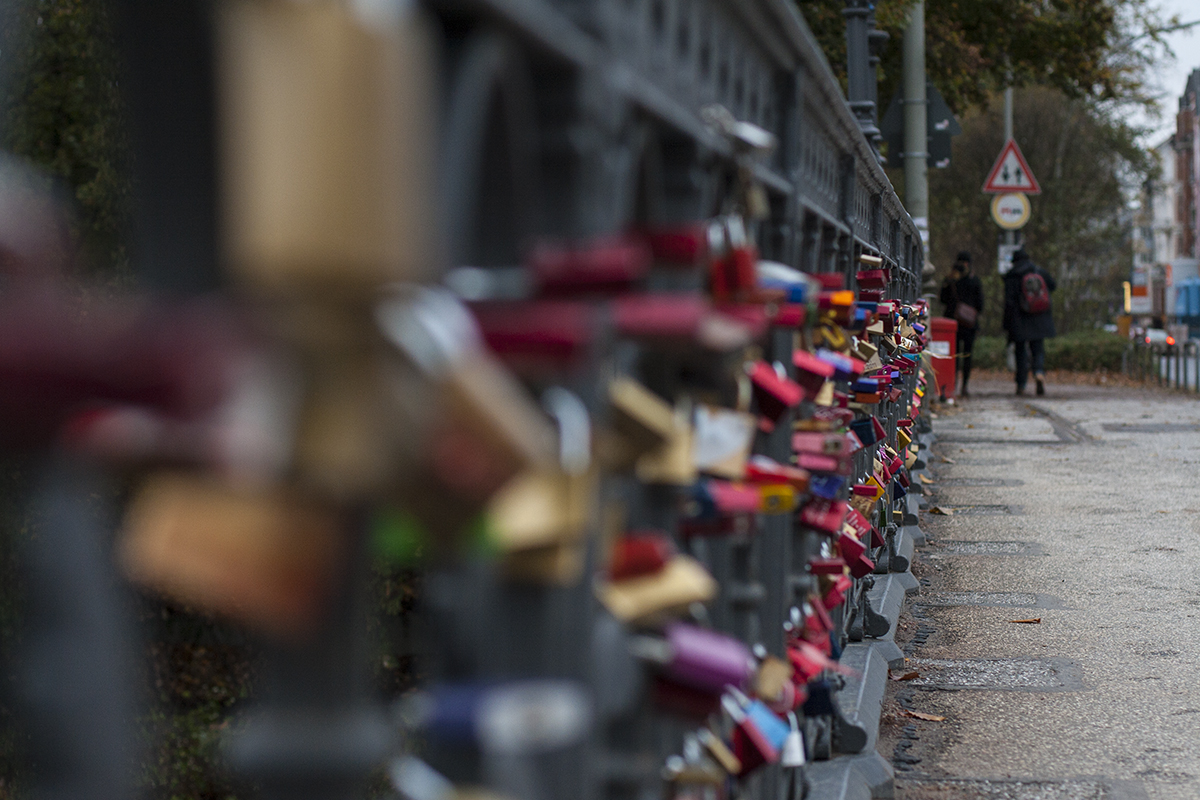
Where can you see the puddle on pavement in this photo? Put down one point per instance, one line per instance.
(1004, 674)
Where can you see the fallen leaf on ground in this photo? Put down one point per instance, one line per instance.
(1162, 512)
(969, 425)
(945, 512)
(924, 716)
(925, 479)
(905, 676)
(1033, 621)
(946, 460)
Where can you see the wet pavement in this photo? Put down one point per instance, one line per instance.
(1054, 647)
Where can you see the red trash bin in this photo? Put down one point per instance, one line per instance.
(942, 347)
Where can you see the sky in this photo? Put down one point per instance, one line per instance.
(1173, 74)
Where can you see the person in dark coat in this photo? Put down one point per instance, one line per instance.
(1027, 331)
(963, 286)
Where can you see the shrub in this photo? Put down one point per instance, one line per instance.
(1082, 351)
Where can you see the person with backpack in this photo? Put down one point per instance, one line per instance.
(962, 297)
(1027, 317)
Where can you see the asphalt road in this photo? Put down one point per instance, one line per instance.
(1080, 509)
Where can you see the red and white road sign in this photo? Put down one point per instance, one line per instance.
(1011, 173)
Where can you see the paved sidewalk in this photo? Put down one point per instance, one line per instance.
(1080, 509)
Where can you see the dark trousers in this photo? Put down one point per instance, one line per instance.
(964, 344)
(1038, 348)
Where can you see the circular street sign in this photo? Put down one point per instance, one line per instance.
(1011, 211)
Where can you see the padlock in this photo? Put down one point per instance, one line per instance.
(849, 546)
(846, 367)
(863, 499)
(608, 265)
(828, 444)
(827, 566)
(801, 289)
(673, 462)
(828, 396)
(677, 322)
(779, 498)
(815, 625)
(541, 508)
(827, 486)
(808, 661)
(715, 499)
(832, 336)
(515, 718)
(539, 519)
(697, 657)
(773, 683)
(835, 595)
(267, 557)
(763, 730)
(643, 418)
(811, 372)
(481, 428)
(720, 751)
(537, 337)
(732, 275)
(814, 463)
(681, 583)
(865, 430)
(824, 516)
(764, 470)
(793, 754)
(774, 392)
(639, 553)
(721, 441)
(334, 202)
(681, 245)
(873, 278)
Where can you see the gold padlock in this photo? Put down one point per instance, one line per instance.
(265, 557)
(327, 144)
(541, 508)
(643, 418)
(682, 582)
(672, 463)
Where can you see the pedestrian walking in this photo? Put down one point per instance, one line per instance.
(1027, 318)
(962, 299)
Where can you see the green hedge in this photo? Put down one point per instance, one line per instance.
(1084, 351)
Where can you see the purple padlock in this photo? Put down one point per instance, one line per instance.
(706, 659)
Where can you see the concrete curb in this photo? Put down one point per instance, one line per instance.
(867, 774)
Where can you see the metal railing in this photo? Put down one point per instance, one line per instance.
(1173, 367)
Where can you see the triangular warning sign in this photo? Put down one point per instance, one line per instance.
(1011, 173)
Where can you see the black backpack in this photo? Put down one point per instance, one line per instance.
(1035, 295)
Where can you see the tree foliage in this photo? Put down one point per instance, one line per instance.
(1094, 49)
(1083, 160)
(62, 111)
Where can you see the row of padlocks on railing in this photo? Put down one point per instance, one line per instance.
(651, 481)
